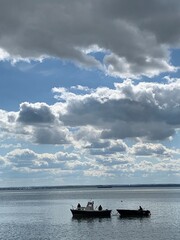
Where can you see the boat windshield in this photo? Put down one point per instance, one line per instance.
(90, 206)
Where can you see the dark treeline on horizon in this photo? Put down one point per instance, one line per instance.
(90, 186)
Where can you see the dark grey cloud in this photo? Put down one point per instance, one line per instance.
(154, 16)
(135, 35)
(50, 135)
(123, 118)
(45, 127)
(125, 110)
(35, 113)
(106, 147)
(155, 130)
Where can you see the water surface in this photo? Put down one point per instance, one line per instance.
(45, 214)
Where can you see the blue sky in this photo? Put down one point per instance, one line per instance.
(90, 95)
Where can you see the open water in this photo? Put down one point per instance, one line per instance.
(45, 214)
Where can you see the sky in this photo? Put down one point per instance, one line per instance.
(89, 92)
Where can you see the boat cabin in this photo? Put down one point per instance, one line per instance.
(90, 206)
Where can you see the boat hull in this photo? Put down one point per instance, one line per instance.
(133, 213)
(91, 213)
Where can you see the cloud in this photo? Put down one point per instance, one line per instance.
(4, 162)
(97, 173)
(6, 146)
(171, 167)
(94, 120)
(21, 157)
(102, 147)
(35, 113)
(132, 35)
(150, 149)
(146, 110)
(51, 135)
(41, 124)
(64, 156)
(24, 159)
(111, 162)
(71, 166)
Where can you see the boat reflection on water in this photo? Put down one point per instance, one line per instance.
(90, 212)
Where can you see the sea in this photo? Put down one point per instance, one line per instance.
(45, 214)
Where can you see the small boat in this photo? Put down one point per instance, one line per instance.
(90, 212)
(134, 213)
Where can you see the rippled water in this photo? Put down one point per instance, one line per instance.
(45, 214)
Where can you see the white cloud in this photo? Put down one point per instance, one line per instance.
(97, 173)
(74, 165)
(3, 54)
(152, 149)
(27, 159)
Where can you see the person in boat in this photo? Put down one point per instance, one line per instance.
(100, 208)
(79, 206)
(140, 208)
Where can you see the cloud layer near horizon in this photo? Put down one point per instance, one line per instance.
(93, 127)
(131, 35)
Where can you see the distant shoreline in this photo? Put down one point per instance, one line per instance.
(92, 186)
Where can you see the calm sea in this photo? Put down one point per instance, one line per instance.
(45, 214)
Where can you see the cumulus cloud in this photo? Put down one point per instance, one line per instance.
(21, 157)
(146, 110)
(28, 163)
(102, 147)
(41, 124)
(132, 34)
(51, 135)
(111, 162)
(149, 111)
(26, 158)
(24, 161)
(150, 149)
(35, 113)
